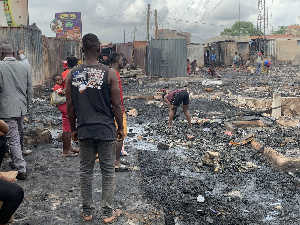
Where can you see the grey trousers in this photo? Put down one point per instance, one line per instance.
(13, 138)
(88, 148)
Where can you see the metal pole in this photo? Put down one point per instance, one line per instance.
(240, 18)
(264, 27)
(156, 25)
(148, 21)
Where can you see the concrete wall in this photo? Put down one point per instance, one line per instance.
(287, 49)
(196, 52)
(228, 49)
(243, 49)
(173, 34)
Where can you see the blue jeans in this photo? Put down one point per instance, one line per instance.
(88, 148)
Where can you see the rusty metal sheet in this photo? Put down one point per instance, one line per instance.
(126, 50)
(139, 54)
(30, 39)
(45, 55)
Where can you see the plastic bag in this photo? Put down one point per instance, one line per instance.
(57, 99)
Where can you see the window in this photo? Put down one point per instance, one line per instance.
(298, 42)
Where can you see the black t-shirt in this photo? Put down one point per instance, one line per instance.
(92, 102)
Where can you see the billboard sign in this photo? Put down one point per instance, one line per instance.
(67, 25)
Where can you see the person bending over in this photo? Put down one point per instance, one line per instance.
(174, 100)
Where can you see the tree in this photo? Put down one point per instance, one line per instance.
(241, 28)
(281, 30)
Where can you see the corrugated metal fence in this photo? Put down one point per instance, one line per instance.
(44, 54)
(126, 50)
(28, 39)
(169, 61)
(56, 51)
(139, 54)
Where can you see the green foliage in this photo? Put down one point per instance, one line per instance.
(241, 28)
(281, 30)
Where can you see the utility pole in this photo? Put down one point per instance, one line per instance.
(239, 18)
(124, 36)
(134, 34)
(262, 23)
(148, 21)
(156, 25)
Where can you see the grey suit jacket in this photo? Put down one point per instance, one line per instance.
(16, 90)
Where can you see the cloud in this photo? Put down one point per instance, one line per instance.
(203, 18)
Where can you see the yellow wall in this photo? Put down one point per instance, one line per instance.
(287, 49)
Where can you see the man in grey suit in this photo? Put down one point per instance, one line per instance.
(16, 92)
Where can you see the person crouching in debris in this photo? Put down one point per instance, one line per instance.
(212, 70)
(174, 100)
(265, 67)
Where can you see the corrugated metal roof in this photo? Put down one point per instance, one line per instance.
(275, 36)
(223, 38)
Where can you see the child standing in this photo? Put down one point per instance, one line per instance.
(60, 87)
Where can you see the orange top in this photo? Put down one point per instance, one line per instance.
(64, 74)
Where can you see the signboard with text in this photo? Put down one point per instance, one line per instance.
(67, 25)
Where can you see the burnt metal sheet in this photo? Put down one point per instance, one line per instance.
(139, 54)
(223, 38)
(56, 51)
(173, 60)
(45, 55)
(126, 50)
(29, 39)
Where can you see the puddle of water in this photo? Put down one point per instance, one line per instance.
(55, 133)
(271, 216)
(146, 145)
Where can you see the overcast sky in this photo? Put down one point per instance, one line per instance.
(202, 18)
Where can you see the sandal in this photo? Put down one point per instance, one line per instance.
(122, 168)
(124, 162)
(75, 150)
(116, 213)
(70, 154)
(86, 218)
(123, 153)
